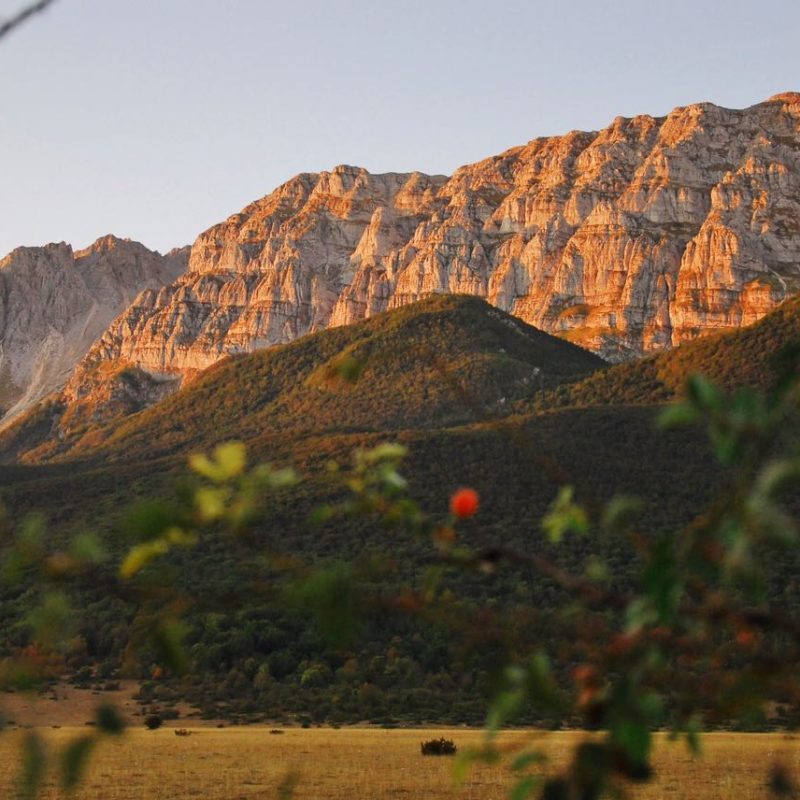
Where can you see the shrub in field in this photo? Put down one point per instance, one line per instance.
(438, 747)
(153, 721)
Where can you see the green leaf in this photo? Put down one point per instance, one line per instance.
(73, 760)
(564, 517)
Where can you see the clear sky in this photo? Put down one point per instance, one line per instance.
(154, 119)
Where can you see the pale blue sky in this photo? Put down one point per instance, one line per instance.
(154, 119)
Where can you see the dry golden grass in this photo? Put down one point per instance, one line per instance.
(374, 764)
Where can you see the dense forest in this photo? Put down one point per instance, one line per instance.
(478, 399)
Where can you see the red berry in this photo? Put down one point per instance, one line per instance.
(464, 503)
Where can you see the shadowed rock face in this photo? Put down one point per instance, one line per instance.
(56, 303)
(627, 241)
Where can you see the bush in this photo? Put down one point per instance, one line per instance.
(153, 721)
(438, 747)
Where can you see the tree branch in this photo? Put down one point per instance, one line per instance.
(17, 20)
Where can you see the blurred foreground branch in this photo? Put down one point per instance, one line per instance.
(21, 16)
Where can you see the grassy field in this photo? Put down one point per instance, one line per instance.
(373, 764)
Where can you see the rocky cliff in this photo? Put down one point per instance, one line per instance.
(56, 303)
(627, 241)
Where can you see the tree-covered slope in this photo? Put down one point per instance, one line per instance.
(443, 361)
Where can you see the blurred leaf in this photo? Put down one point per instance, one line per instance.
(141, 555)
(564, 516)
(527, 759)
(53, 620)
(597, 569)
(776, 476)
(330, 594)
(168, 640)
(388, 451)
(211, 502)
(87, 548)
(348, 368)
(228, 462)
(702, 393)
(557, 789)
(639, 614)
(523, 788)
(109, 720)
(678, 415)
(541, 684)
(322, 514)
(149, 519)
(780, 782)
(620, 513)
(285, 789)
(27, 550)
(282, 478)
(634, 739)
(33, 765)
(693, 736)
(73, 760)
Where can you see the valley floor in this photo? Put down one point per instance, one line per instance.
(375, 764)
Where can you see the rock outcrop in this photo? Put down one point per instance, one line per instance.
(56, 303)
(627, 241)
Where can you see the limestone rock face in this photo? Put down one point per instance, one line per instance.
(56, 303)
(627, 241)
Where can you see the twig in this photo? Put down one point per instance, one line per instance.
(17, 20)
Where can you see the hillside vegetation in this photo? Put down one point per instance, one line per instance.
(480, 400)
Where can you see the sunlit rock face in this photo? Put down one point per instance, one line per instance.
(56, 303)
(627, 241)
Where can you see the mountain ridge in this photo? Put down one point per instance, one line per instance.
(57, 301)
(628, 240)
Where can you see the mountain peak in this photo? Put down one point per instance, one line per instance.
(791, 98)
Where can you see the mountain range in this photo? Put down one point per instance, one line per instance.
(627, 241)
(474, 319)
